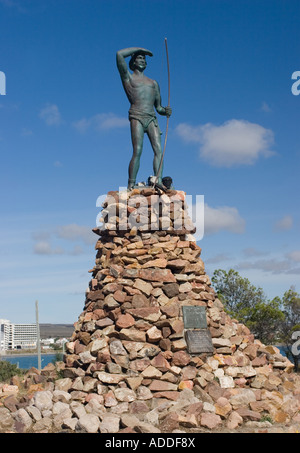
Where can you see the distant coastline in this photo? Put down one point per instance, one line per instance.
(30, 354)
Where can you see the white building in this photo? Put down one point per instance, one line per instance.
(17, 336)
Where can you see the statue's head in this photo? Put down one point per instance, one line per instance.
(138, 60)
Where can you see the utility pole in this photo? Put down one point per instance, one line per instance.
(38, 339)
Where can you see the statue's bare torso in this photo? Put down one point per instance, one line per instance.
(141, 92)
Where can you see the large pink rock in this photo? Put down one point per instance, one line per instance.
(210, 420)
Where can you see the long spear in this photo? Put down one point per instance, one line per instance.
(167, 127)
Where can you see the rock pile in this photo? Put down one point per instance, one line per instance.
(145, 210)
(127, 366)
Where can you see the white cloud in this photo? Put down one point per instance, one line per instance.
(101, 121)
(51, 115)
(224, 218)
(272, 266)
(220, 258)
(284, 224)
(44, 248)
(71, 233)
(286, 265)
(294, 256)
(74, 232)
(251, 251)
(236, 142)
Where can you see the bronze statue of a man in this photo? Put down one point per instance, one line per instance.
(143, 95)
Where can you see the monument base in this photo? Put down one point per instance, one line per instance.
(153, 331)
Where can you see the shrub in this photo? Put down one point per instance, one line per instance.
(8, 370)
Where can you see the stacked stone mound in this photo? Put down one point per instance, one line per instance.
(129, 343)
(127, 367)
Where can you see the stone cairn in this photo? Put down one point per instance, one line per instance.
(128, 368)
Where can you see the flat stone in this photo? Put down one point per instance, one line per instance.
(221, 342)
(108, 378)
(6, 419)
(169, 395)
(125, 321)
(129, 420)
(10, 402)
(86, 357)
(110, 423)
(23, 417)
(223, 407)
(159, 262)
(187, 384)
(150, 350)
(210, 420)
(180, 358)
(242, 398)
(70, 423)
(171, 289)
(151, 372)
(88, 423)
(60, 395)
(151, 314)
(234, 420)
(140, 301)
(95, 407)
(34, 413)
(177, 264)
(172, 310)
(97, 345)
(143, 286)
(247, 414)
(143, 427)
(157, 275)
(134, 382)
(125, 395)
(116, 348)
(104, 322)
(160, 386)
(154, 334)
(109, 399)
(77, 409)
(59, 407)
(226, 382)
(143, 393)
(132, 334)
(161, 363)
(110, 303)
(43, 400)
(43, 425)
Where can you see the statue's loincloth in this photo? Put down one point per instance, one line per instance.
(144, 118)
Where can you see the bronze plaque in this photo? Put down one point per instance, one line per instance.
(199, 341)
(194, 317)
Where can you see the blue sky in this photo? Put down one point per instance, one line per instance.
(65, 140)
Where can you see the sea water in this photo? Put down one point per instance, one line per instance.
(26, 362)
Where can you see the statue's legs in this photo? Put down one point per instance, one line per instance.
(137, 138)
(155, 140)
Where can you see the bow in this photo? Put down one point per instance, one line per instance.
(167, 127)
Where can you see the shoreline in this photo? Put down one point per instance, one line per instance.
(33, 354)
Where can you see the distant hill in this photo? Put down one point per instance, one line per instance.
(56, 330)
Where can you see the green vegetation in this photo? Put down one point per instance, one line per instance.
(8, 370)
(266, 418)
(271, 321)
(58, 358)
